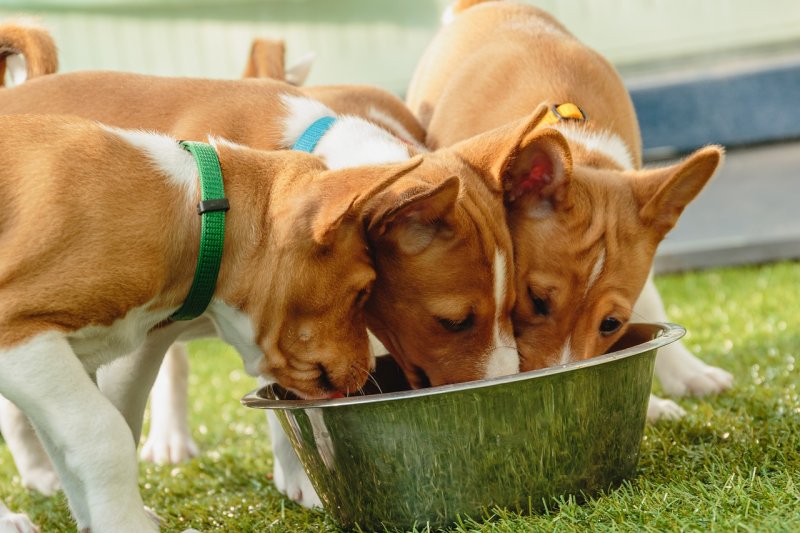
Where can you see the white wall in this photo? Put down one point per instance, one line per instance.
(377, 41)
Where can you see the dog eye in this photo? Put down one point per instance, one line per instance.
(609, 326)
(540, 305)
(457, 326)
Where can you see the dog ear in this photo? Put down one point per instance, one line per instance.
(663, 193)
(412, 213)
(536, 177)
(339, 198)
(298, 71)
(530, 164)
(266, 60)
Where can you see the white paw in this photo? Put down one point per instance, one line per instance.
(681, 373)
(15, 522)
(711, 380)
(172, 447)
(294, 483)
(663, 409)
(42, 480)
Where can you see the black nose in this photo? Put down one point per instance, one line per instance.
(324, 379)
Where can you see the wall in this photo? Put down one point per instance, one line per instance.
(378, 41)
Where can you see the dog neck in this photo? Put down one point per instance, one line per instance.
(595, 147)
(351, 141)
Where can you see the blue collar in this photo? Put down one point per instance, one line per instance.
(308, 139)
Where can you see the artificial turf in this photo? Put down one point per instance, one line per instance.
(732, 464)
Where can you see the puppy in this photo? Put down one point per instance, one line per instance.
(584, 246)
(86, 273)
(458, 331)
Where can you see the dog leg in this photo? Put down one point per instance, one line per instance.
(678, 370)
(33, 464)
(288, 474)
(15, 522)
(170, 439)
(47, 380)
(663, 409)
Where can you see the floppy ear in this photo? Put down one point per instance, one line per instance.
(412, 213)
(663, 193)
(298, 71)
(531, 165)
(266, 60)
(340, 198)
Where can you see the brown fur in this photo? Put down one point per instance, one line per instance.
(266, 60)
(33, 43)
(92, 230)
(495, 63)
(416, 285)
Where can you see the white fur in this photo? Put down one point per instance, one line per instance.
(604, 142)
(597, 269)
(87, 438)
(237, 329)
(678, 370)
(565, 356)
(393, 124)
(350, 141)
(166, 154)
(15, 522)
(298, 71)
(663, 409)
(448, 16)
(33, 464)
(301, 112)
(17, 69)
(170, 439)
(289, 475)
(503, 357)
(97, 345)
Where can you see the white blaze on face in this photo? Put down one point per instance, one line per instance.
(596, 271)
(503, 356)
(566, 352)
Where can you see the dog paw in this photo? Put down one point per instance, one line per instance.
(43, 480)
(169, 448)
(663, 409)
(711, 380)
(15, 522)
(294, 483)
(681, 373)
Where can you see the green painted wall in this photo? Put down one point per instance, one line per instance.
(378, 41)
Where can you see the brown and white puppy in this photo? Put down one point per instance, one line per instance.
(584, 243)
(87, 272)
(440, 329)
(170, 438)
(466, 328)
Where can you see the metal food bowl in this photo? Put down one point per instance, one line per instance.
(414, 457)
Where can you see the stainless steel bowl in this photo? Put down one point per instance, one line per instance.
(426, 456)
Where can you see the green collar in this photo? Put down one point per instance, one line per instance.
(211, 209)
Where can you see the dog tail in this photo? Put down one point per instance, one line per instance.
(457, 7)
(267, 60)
(27, 50)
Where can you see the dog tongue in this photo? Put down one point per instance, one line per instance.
(336, 395)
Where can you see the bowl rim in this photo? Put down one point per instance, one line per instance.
(669, 333)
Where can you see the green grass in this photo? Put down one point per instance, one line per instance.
(733, 464)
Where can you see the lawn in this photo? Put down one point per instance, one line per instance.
(733, 464)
